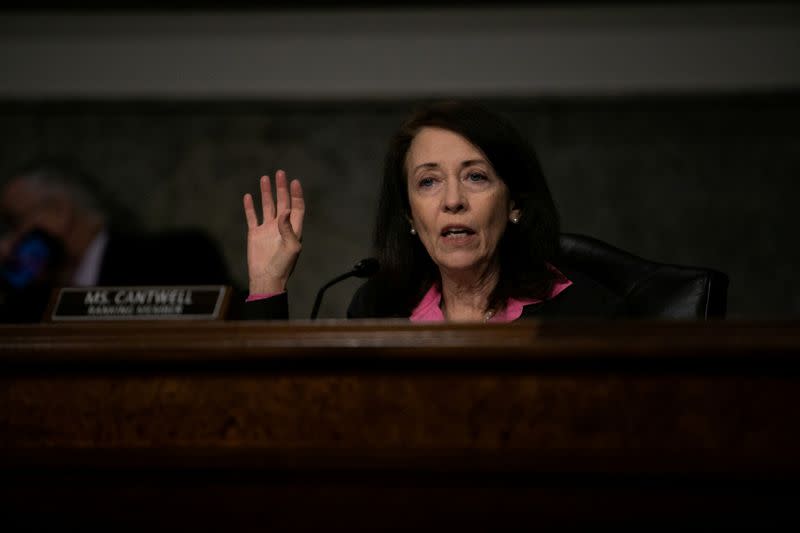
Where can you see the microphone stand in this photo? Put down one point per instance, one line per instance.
(363, 269)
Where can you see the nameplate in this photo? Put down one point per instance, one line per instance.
(204, 302)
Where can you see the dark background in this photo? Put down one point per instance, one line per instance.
(704, 175)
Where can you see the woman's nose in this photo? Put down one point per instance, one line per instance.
(454, 200)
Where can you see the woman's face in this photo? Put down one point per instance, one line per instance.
(459, 206)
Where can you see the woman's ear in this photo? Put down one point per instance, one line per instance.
(412, 229)
(515, 215)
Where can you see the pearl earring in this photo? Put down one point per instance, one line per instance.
(413, 231)
(515, 220)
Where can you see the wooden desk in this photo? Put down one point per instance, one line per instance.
(363, 425)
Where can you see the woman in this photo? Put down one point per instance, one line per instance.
(466, 230)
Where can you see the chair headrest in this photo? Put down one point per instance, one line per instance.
(649, 288)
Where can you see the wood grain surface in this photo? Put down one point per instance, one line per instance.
(390, 425)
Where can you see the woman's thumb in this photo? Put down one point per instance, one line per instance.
(285, 227)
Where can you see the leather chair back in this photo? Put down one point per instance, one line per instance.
(650, 289)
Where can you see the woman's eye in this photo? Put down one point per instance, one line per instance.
(426, 182)
(476, 176)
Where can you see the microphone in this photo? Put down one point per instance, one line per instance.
(363, 269)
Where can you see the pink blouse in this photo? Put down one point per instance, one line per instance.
(428, 310)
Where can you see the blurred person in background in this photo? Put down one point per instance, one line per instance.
(59, 230)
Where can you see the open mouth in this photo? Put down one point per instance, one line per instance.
(457, 231)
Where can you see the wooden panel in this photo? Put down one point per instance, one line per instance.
(393, 425)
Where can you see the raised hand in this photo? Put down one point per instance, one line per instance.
(274, 245)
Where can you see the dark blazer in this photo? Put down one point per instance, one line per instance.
(585, 298)
(175, 257)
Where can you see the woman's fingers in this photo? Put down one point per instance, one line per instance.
(282, 192)
(250, 211)
(273, 245)
(288, 198)
(267, 203)
(298, 207)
